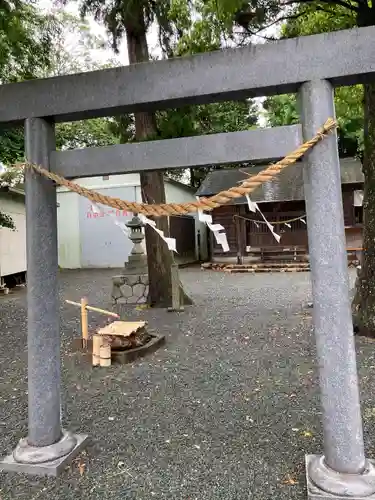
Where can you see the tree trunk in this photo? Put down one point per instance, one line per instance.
(364, 300)
(363, 305)
(159, 258)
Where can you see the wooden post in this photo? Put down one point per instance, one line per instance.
(239, 239)
(84, 322)
(176, 290)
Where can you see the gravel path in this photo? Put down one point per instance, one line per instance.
(227, 410)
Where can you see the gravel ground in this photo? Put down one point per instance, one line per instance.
(227, 410)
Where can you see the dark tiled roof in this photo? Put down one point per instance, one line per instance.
(288, 186)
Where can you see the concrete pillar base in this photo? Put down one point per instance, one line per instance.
(324, 483)
(47, 460)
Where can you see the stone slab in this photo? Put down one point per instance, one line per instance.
(344, 57)
(54, 468)
(232, 147)
(314, 493)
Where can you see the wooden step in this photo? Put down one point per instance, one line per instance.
(268, 270)
(256, 265)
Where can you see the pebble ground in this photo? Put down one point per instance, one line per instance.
(225, 411)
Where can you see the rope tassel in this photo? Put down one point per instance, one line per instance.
(206, 204)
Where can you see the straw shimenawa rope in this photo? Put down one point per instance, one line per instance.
(207, 204)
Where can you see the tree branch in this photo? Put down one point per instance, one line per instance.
(342, 3)
(248, 32)
(279, 20)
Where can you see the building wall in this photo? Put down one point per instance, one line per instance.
(103, 243)
(69, 245)
(86, 240)
(225, 216)
(354, 238)
(244, 236)
(176, 194)
(13, 243)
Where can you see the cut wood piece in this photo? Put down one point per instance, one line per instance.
(94, 309)
(122, 328)
(84, 321)
(105, 355)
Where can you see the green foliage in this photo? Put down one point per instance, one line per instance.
(185, 27)
(312, 18)
(70, 45)
(190, 121)
(281, 110)
(29, 55)
(349, 111)
(214, 118)
(25, 40)
(206, 119)
(203, 26)
(71, 52)
(6, 221)
(36, 45)
(11, 145)
(85, 134)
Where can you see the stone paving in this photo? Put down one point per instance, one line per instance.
(227, 410)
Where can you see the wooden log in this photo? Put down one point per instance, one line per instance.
(96, 344)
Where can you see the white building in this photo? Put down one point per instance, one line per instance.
(13, 242)
(88, 240)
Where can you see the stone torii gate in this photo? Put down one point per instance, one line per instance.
(311, 66)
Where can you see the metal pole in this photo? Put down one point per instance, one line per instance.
(342, 424)
(42, 290)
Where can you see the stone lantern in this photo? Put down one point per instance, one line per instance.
(137, 259)
(131, 286)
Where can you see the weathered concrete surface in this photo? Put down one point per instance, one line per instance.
(234, 147)
(273, 68)
(51, 468)
(230, 406)
(42, 267)
(336, 357)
